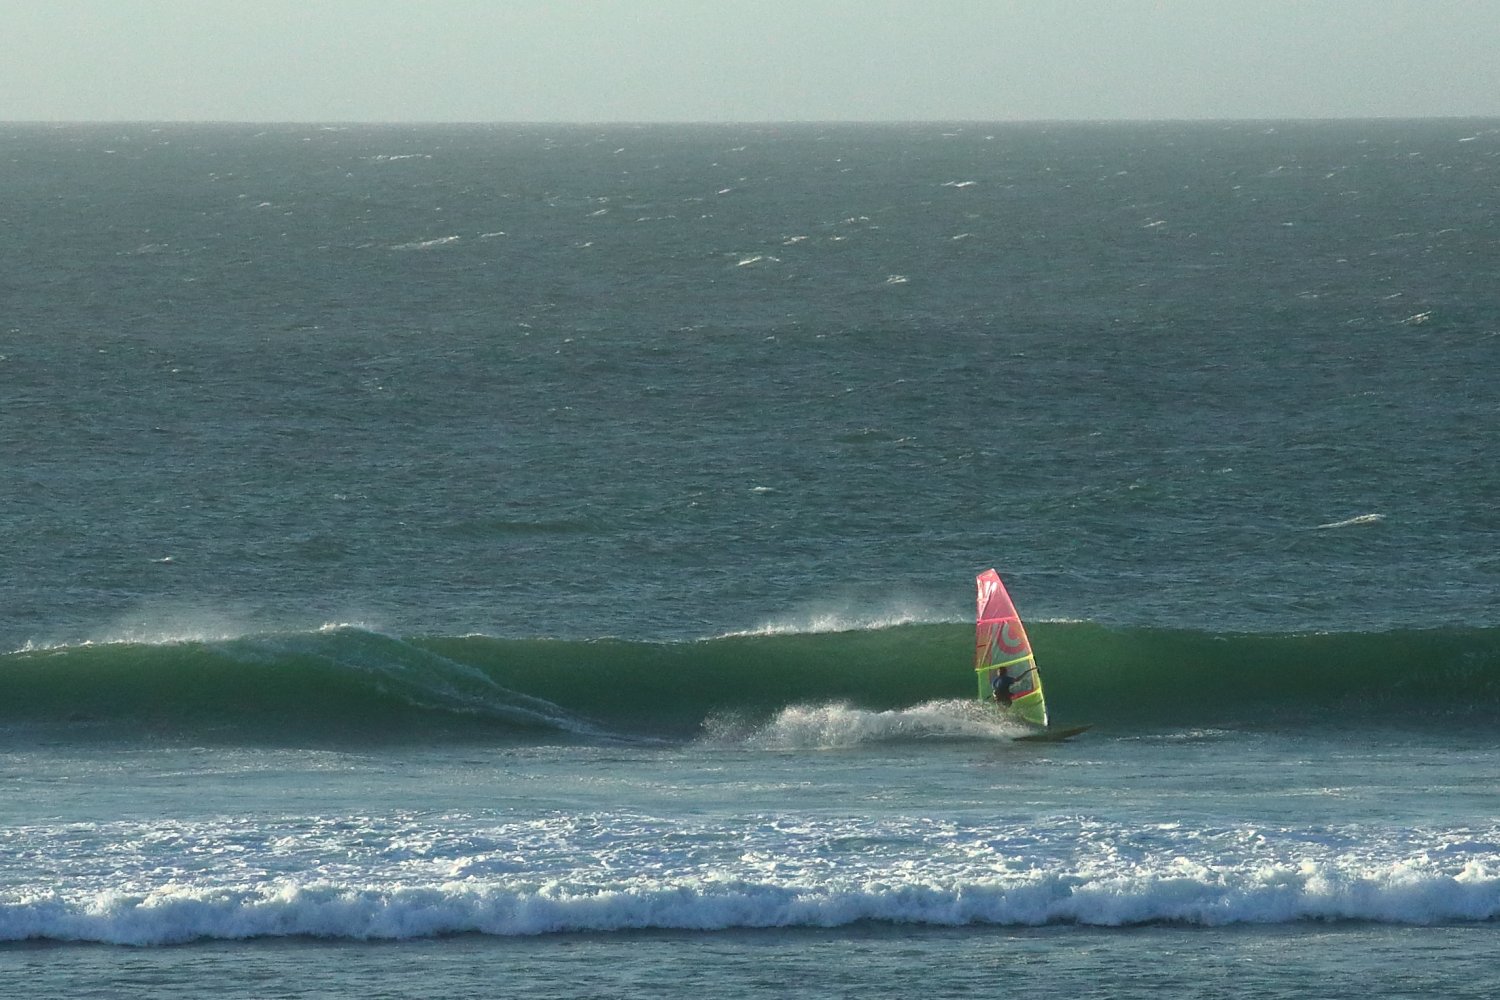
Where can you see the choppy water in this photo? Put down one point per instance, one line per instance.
(548, 551)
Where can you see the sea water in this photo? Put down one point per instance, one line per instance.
(539, 560)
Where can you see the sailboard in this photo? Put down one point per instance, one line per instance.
(1003, 662)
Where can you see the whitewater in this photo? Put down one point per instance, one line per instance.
(420, 878)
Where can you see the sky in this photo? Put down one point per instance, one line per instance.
(745, 60)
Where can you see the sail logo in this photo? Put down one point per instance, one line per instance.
(1010, 637)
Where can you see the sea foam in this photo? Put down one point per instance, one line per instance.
(1398, 893)
(832, 726)
(420, 875)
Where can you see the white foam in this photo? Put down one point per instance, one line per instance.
(1193, 895)
(427, 244)
(832, 726)
(1352, 521)
(832, 619)
(353, 877)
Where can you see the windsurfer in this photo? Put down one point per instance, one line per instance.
(1000, 684)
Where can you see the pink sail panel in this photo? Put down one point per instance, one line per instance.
(998, 634)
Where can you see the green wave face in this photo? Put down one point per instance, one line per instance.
(352, 684)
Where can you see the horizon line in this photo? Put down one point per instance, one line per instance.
(648, 122)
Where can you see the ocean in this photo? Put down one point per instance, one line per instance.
(539, 560)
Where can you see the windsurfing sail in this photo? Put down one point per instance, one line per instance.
(1002, 655)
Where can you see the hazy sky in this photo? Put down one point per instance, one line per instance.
(745, 60)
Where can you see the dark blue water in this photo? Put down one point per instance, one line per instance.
(510, 530)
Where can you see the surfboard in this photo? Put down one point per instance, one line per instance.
(1004, 664)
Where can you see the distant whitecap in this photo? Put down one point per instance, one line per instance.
(427, 244)
(1352, 521)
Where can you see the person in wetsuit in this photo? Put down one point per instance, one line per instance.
(1000, 684)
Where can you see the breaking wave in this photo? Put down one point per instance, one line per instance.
(828, 687)
(367, 879)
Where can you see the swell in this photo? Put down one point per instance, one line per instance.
(333, 684)
(350, 683)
